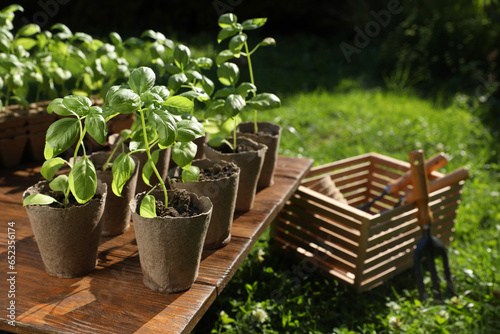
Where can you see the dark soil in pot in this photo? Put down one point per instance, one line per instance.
(268, 134)
(249, 157)
(170, 247)
(218, 181)
(67, 238)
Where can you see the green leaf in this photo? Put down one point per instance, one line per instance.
(254, 23)
(122, 100)
(183, 153)
(227, 32)
(61, 75)
(149, 98)
(166, 127)
(142, 79)
(59, 108)
(26, 43)
(225, 92)
(216, 107)
(245, 88)
(178, 105)
(83, 180)
(218, 141)
(229, 125)
(207, 85)
(123, 169)
(61, 135)
(80, 105)
(28, 30)
(267, 41)
(38, 199)
(11, 9)
(147, 169)
(51, 167)
(65, 32)
(234, 105)
(264, 101)
(175, 82)
(162, 91)
(115, 38)
(191, 174)
(60, 183)
(236, 43)
(148, 207)
(193, 75)
(96, 125)
(204, 63)
(228, 74)
(182, 54)
(227, 20)
(224, 56)
(189, 130)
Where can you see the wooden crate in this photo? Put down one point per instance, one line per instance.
(359, 248)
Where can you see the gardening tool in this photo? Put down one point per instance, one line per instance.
(434, 163)
(445, 181)
(429, 246)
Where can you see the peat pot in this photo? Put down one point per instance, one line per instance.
(219, 182)
(170, 247)
(249, 158)
(67, 238)
(268, 134)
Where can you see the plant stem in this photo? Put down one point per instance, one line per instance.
(250, 70)
(234, 135)
(108, 161)
(150, 159)
(83, 130)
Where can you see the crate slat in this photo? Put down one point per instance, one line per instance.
(359, 248)
(334, 230)
(319, 238)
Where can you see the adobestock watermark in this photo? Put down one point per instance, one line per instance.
(372, 29)
(225, 6)
(49, 9)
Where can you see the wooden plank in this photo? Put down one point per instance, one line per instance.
(113, 298)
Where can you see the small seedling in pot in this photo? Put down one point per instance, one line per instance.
(239, 42)
(61, 135)
(163, 120)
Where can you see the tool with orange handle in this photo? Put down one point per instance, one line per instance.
(448, 180)
(429, 246)
(434, 163)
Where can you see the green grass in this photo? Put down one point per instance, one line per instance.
(271, 294)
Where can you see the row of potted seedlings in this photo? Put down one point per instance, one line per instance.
(179, 214)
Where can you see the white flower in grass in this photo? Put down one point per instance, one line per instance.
(395, 322)
(260, 255)
(260, 315)
(443, 314)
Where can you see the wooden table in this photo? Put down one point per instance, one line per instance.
(112, 298)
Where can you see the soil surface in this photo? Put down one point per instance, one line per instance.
(179, 205)
(217, 172)
(224, 148)
(59, 196)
